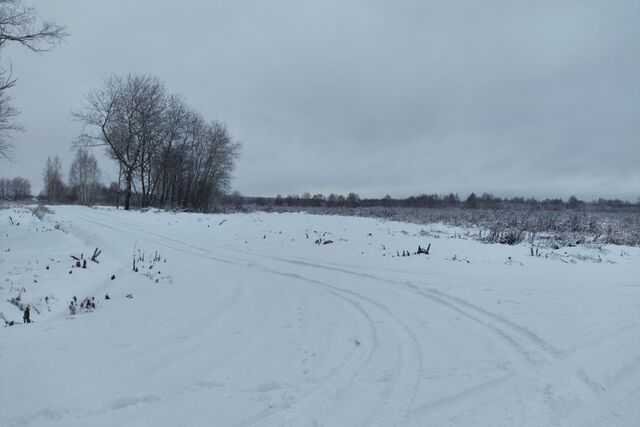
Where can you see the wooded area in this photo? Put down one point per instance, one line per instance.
(167, 153)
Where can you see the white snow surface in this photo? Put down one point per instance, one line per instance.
(245, 321)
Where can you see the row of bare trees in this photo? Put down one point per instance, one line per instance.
(15, 189)
(440, 201)
(168, 155)
(352, 200)
(84, 180)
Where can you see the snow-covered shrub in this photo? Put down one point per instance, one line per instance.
(513, 224)
(41, 211)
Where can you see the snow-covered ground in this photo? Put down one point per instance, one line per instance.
(244, 320)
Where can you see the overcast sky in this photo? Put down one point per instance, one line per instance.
(533, 98)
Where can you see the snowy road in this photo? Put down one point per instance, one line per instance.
(251, 323)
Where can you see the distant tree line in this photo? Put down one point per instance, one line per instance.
(83, 186)
(15, 189)
(473, 201)
(168, 155)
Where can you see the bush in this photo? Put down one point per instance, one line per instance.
(41, 211)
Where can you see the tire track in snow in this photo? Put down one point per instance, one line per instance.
(547, 362)
(236, 262)
(439, 296)
(535, 351)
(397, 397)
(391, 399)
(550, 362)
(532, 336)
(385, 400)
(459, 305)
(556, 366)
(335, 383)
(462, 307)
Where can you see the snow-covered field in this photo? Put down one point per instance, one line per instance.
(244, 320)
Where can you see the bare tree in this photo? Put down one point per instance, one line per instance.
(353, 200)
(5, 184)
(169, 159)
(111, 120)
(52, 176)
(317, 200)
(20, 188)
(21, 25)
(7, 124)
(84, 176)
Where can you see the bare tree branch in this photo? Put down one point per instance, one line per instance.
(20, 24)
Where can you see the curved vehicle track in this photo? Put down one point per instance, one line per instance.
(397, 395)
(542, 367)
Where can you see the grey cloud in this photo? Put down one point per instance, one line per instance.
(533, 98)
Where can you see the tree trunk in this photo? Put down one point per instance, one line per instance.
(127, 197)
